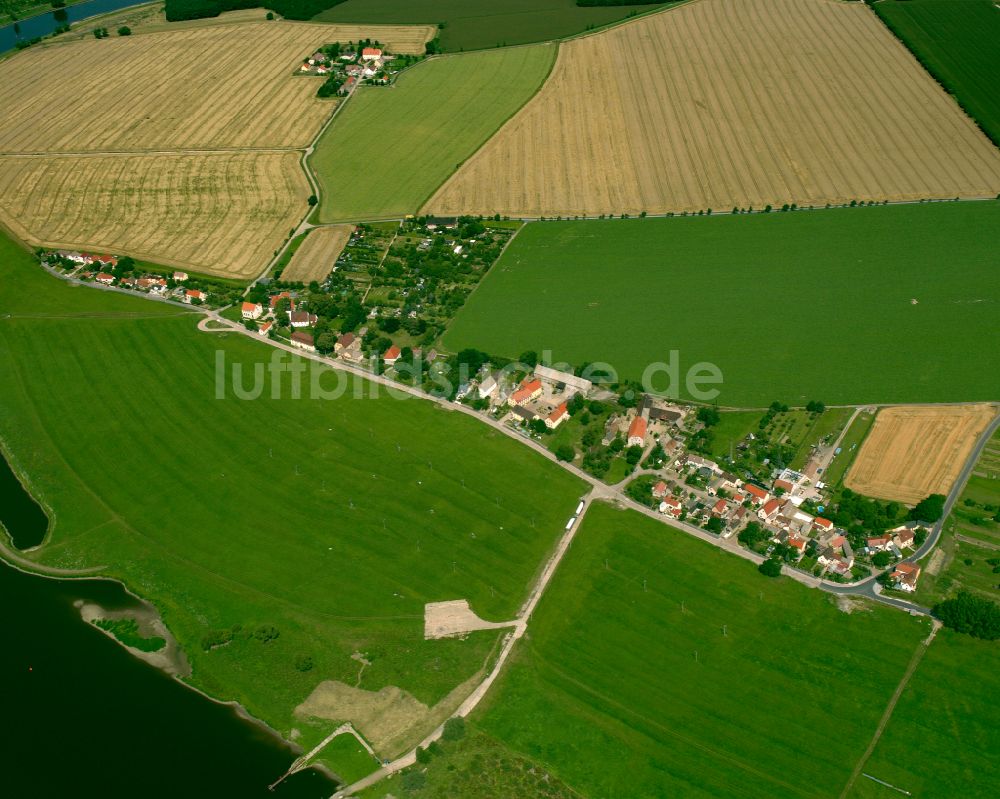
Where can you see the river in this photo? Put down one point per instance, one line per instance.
(44, 24)
(83, 717)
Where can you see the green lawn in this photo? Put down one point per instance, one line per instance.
(944, 735)
(476, 24)
(956, 40)
(331, 521)
(619, 692)
(789, 306)
(391, 147)
(848, 449)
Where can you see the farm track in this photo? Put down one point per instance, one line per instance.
(739, 104)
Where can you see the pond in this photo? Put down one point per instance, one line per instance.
(23, 518)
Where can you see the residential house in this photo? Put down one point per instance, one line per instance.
(769, 510)
(756, 494)
(304, 341)
(276, 298)
(105, 278)
(180, 277)
(193, 294)
(660, 490)
(783, 486)
(671, 506)
(637, 432)
(371, 54)
(527, 391)
(266, 327)
(302, 318)
(348, 85)
(702, 463)
(252, 310)
(557, 417)
(348, 347)
(721, 509)
(823, 525)
(878, 544)
(391, 355)
(524, 413)
(903, 537)
(488, 387)
(104, 260)
(904, 576)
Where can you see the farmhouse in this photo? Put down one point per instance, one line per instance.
(371, 54)
(637, 432)
(824, 525)
(527, 391)
(557, 417)
(302, 318)
(180, 277)
(524, 413)
(252, 310)
(568, 379)
(660, 490)
(266, 327)
(487, 387)
(391, 355)
(348, 347)
(769, 511)
(304, 341)
(756, 494)
(194, 295)
(671, 506)
(104, 277)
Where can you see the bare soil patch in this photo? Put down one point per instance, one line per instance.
(455, 617)
(728, 103)
(915, 451)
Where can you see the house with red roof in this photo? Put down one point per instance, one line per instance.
(192, 295)
(557, 417)
(783, 486)
(180, 277)
(266, 327)
(527, 391)
(371, 54)
(105, 278)
(252, 310)
(671, 506)
(905, 576)
(304, 341)
(637, 432)
(721, 509)
(878, 544)
(391, 355)
(756, 494)
(660, 490)
(276, 298)
(769, 510)
(824, 525)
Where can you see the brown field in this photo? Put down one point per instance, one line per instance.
(319, 252)
(912, 452)
(723, 103)
(202, 87)
(221, 213)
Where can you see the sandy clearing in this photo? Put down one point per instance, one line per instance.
(318, 254)
(915, 451)
(391, 719)
(455, 617)
(723, 103)
(218, 213)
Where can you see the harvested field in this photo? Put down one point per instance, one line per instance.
(315, 259)
(735, 103)
(912, 452)
(220, 213)
(199, 87)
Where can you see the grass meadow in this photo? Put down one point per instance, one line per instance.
(790, 306)
(658, 666)
(391, 147)
(956, 41)
(477, 25)
(329, 523)
(944, 733)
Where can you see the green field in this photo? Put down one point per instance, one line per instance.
(848, 449)
(332, 522)
(478, 24)
(790, 306)
(606, 691)
(391, 147)
(944, 734)
(956, 41)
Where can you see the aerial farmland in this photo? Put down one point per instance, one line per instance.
(524, 399)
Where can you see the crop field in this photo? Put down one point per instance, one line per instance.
(437, 114)
(218, 213)
(206, 87)
(912, 452)
(811, 305)
(649, 647)
(948, 707)
(315, 258)
(475, 25)
(277, 536)
(728, 103)
(956, 40)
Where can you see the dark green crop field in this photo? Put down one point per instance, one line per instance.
(658, 666)
(956, 41)
(853, 305)
(277, 536)
(477, 24)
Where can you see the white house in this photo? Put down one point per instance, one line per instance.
(557, 417)
(371, 54)
(252, 310)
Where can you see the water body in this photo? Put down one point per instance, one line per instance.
(19, 512)
(44, 24)
(80, 716)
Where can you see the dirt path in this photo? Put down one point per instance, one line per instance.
(910, 669)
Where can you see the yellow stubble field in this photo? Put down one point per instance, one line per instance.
(220, 213)
(723, 103)
(315, 258)
(914, 451)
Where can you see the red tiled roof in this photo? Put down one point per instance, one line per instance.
(826, 524)
(771, 506)
(250, 306)
(558, 413)
(638, 428)
(755, 491)
(392, 353)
